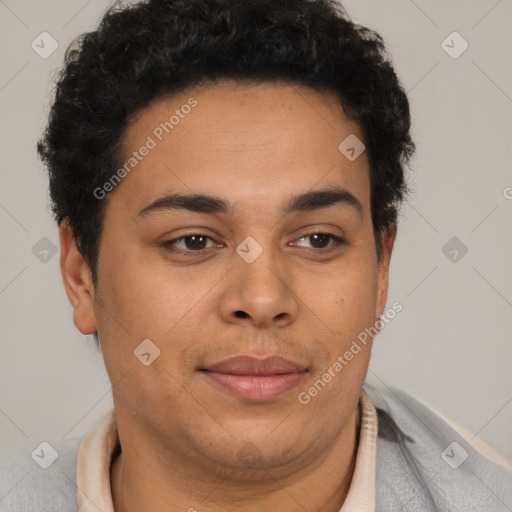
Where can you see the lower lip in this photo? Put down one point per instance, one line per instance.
(261, 388)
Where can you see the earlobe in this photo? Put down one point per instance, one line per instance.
(77, 281)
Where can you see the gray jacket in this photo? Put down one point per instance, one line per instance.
(422, 465)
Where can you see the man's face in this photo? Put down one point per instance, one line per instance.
(207, 298)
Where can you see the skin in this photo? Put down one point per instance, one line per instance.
(256, 146)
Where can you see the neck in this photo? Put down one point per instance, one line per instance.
(322, 485)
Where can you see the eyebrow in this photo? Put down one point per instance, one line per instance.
(202, 203)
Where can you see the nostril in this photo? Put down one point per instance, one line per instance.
(241, 314)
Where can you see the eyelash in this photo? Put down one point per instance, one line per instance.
(170, 245)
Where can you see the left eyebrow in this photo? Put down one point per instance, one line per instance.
(322, 199)
(202, 203)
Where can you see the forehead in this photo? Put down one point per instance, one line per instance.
(253, 142)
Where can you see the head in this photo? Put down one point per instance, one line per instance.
(199, 173)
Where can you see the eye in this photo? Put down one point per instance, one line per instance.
(194, 244)
(320, 241)
(188, 244)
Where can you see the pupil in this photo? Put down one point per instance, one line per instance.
(323, 238)
(197, 242)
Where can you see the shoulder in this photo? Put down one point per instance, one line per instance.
(424, 463)
(39, 478)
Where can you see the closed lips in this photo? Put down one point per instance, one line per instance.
(248, 365)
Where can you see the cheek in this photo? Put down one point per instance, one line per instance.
(148, 297)
(344, 314)
(344, 298)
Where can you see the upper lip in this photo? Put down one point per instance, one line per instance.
(248, 365)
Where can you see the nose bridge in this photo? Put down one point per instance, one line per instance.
(259, 271)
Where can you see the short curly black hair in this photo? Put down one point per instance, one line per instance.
(150, 49)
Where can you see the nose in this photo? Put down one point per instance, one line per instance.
(259, 294)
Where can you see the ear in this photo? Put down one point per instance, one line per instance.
(387, 241)
(77, 281)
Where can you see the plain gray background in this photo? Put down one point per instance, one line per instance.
(451, 344)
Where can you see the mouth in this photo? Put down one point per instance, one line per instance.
(252, 379)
